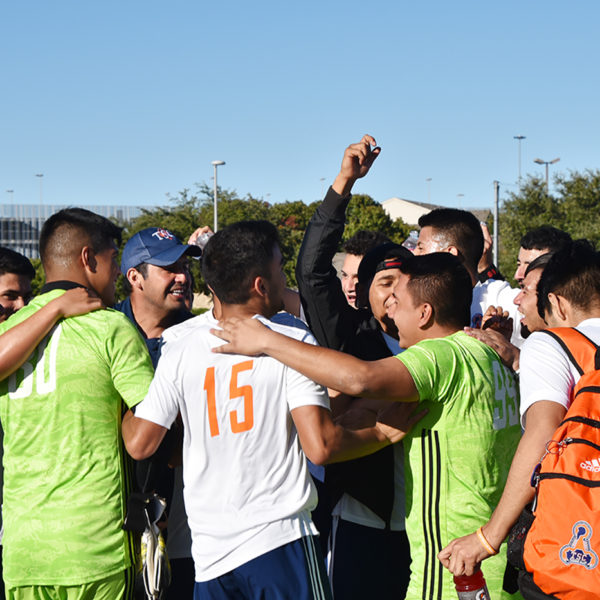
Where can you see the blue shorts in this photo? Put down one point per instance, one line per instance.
(294, 571)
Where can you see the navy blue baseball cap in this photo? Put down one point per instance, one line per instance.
(154, 246)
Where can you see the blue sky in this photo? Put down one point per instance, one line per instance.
(125, 102)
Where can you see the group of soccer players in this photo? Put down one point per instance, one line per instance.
(388, 392)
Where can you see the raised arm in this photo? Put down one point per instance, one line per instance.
(387, 378)
(327, 312)
(17, 343)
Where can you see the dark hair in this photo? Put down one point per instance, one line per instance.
(68, 230)
(440, 279)
(545, 238)
(363, 241)
(13, 262)
(142, 269)
(460, 228)
(373, 261)
(574, 274)
(235, 256)
(539, 263)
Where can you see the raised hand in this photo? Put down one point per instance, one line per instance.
(358, 159)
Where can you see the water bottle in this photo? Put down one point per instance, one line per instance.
(471, 587)
(203, 238)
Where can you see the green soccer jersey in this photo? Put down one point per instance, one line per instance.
(64, 462)
(457, 458)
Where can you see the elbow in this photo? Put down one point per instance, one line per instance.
(319, 456)
(136, 447)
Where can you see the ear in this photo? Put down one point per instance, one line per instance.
(136, 281)
(561, 308)
(259, 286)
(425, 315)
(453, 250)
(87, 256)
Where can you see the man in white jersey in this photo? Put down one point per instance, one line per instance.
(248, 492)
(459, 232)
(568, 296)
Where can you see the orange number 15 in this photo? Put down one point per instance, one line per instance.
(235, 391)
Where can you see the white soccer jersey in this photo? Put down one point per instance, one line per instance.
(247, 487)
(546, 373)
(494, 292)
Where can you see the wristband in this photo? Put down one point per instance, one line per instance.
(485, 543)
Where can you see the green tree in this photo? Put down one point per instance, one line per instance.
(364, 213)
(187, 211)
(573, 207)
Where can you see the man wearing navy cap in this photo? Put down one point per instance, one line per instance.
(155, 264)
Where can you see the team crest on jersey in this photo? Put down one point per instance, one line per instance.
(163, 234)
(579, 550)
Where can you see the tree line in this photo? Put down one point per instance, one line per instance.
(573, 205)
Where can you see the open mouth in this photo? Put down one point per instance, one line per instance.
(178, 293)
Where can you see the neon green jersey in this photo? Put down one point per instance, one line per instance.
(457, 458)
(64, 471)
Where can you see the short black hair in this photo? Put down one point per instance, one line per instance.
(574, 274)
(235, 256)
(460, 228)
(363, 241)
(441, 279)
(539, 263)
(545, 238)
(13, 262)
(68, 230)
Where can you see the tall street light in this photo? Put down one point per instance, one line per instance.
(428, 180)
(12, 195)
(40, 176)
(539, 161)
(519, 138)
(215, 164)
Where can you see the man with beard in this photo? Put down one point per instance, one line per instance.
(155, 264)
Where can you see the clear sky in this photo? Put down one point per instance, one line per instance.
(124, 102)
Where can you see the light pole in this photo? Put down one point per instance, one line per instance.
(460, 197)
(12, 195)
(428, 180)
(40, 175)
(539, 161)
(215, 164)
(519, 138)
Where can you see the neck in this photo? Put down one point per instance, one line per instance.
(151, 320)
(243, 311)
(53, 275)
(437, 331)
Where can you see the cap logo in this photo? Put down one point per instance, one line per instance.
(163, 234)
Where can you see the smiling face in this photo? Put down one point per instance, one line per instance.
(167, 288)
(381, 291)
(15, 292)
(526, 300)
(402, 309)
